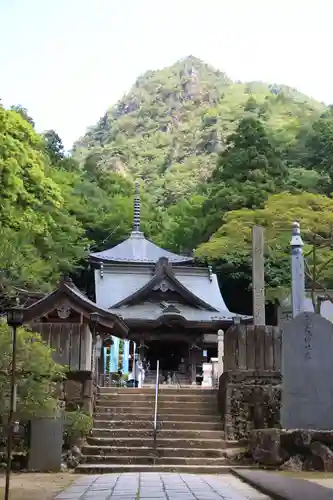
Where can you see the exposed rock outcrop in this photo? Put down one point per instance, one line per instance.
(293, 449)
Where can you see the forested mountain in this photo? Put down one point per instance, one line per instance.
(169, 129)
(213, 157)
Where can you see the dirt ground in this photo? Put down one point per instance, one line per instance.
(322, 478)
(303, 474)
(36, 486)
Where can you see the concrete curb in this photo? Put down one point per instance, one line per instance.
(283, 487)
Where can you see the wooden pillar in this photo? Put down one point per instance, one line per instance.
(258, 276)
(220, 352)
(192, 359)
(131, 355)
(142, 349)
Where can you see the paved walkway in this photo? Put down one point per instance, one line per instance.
(155, 486)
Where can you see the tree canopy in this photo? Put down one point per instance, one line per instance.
(232, 241)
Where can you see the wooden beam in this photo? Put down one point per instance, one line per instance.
(258, 275)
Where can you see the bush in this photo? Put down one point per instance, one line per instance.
(77, 426)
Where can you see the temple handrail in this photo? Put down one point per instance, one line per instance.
(156, 402)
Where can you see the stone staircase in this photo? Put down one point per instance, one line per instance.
(179, 379)
(189, 439)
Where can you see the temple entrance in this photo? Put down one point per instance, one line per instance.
(173, 355)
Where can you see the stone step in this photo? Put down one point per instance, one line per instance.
(148, 410)
(148, 441)
(191, 406)
(162, 397)
(162, 433)
(202, 453)
(113, 414)
(183, 383)
(162, 389)
(166, 424)
(151, 460)
(191, 469)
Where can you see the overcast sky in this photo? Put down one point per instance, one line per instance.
(66, 61)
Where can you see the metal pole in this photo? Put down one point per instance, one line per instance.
(156, 392)
(297, 270)
(12, 410)
(156, 402)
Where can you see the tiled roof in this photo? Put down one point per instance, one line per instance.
(138, 249)
(152, 312)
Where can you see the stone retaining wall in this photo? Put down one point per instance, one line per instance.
(249, 400)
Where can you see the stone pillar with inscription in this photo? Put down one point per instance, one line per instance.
(297, 271)
(258, 276)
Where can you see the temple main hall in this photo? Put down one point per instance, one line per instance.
(172, 307)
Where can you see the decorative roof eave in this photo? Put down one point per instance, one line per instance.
(130, 251)
(169, 319)
(77, 301)
(164, 270)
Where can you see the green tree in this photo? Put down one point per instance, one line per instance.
(246, 173)
(319, 146)
(185, 225)
(233, 238)
(36, 374)
(42, 235)
(23, 112)
(54, 146)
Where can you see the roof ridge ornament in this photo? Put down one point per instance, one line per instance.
(137, 209)
(65, 279)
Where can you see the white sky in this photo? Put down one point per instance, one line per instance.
(67, 61)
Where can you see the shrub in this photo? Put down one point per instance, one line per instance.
(77, 426)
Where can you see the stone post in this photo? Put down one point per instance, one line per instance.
(220, 352)
(207, 375)
(215, 371)
(297, 271)
(258, 275)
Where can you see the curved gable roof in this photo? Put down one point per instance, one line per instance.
(79, 301)
(164, 270)
(138, 249)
